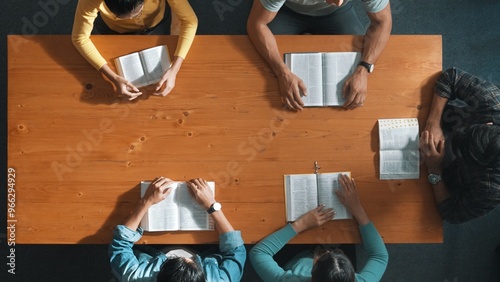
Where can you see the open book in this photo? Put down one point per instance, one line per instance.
(179, 211)
(323, 74)
(145, 67)
(399, 152)
(304, 192)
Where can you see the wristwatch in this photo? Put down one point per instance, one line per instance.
(214, 207)
(434, 178)
(369, 67)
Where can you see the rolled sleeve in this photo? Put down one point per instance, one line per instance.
(230, 240)
(272, 5)
(374, 6)
(124, 264)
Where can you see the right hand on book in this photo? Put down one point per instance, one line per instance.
(291, 90)
(436, 131)
(126, 88)
(313, 218)
(201, 192)
(348, 196)
(158, 190)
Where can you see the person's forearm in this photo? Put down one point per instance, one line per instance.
(361, 216)
(436, 111)
(136, 216)
(377, 35)
(108, 73)
(441, 192)
(221, 222)
(265, 43)
(176, 64)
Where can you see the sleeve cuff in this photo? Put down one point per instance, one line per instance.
(124, 233)
(230, 240)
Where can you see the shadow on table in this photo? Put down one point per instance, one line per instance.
(94, 88)
(123, 206)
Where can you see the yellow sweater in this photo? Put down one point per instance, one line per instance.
(151, 15)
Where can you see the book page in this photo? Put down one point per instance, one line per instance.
(156, 62)
(328, 183)
(337, 67)
(307, 66)
(399, 148)
(164, 216)
(302, 194)
(192, 215)
(398, 134)
(400, 164)
(130, 67)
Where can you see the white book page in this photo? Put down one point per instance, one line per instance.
(192, 215)
(337, 67)
(328, 184)
(303, 195)
(398, 134)
(156, 62)
(163, 216)
(130, 67)
(400, 164)
(307, 66)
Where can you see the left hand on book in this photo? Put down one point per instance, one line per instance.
(354, 89)
(313, 218)
(432, 152)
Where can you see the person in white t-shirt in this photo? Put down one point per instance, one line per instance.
(269, 17)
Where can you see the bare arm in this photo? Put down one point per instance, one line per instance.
(264, 41)
(375, 41)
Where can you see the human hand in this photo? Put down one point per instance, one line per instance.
(354, 89)
(168, 79)
(432, 152)
(125, 88)
(313, 218)
(158, 190)
(201, 192)
(436, 131)
(291, 90)
(348, 195)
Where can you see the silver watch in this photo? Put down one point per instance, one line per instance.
(434, 178)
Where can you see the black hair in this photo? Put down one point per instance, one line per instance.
(477, 145)
(178, 269)
(333, 267)
(122, 7)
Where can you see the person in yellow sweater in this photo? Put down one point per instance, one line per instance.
(133, 17)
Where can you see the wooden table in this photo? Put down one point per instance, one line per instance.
(79, 154)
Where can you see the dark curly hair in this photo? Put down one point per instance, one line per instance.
(177, 269)
(477, 145)
(122, 7)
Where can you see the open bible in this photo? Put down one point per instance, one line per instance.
(179, 211)
(399, 148)
(323, 74)
(304, 192)
(145, 67)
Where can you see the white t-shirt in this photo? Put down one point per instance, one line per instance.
(319, 7)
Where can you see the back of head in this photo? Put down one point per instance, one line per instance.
(333, 267)
(122, 7)
(177, 269)
(477, 145)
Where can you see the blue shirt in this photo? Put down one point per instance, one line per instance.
(127, 265)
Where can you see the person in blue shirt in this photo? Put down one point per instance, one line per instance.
(327, 266)
(178, 264)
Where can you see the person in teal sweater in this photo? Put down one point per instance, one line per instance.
(330, 265)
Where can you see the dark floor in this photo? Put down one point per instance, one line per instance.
(471, 41)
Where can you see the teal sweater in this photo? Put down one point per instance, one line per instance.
(299, 268)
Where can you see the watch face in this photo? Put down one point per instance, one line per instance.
(372, 67)
(217, 206)
(433, 178)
